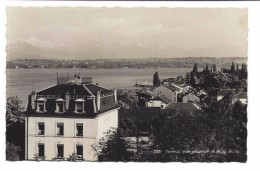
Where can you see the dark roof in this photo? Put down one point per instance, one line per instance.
(162, 98)
(181, 106)
(223, 92)
(76, 92)
(62, 89)
(74, 89)
(242, 95)
(94, 88)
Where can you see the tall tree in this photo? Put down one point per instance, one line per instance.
(207, 67)
(232, 69)
(156, 80)
(187, 78)
(195, 68)
(214, 68)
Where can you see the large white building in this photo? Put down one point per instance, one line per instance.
(68, 118)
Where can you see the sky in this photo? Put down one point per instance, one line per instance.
(94, 33)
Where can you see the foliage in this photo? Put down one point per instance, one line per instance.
(113, 147)
(15, 129)
(38, 158)
(14, 111)
(12, 152)
(217, 133)
(72, 157)
(156, 80)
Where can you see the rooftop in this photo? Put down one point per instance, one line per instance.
(242, 95)
(181, 106)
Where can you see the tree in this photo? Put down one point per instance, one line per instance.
(207, 67)
(12, 152)
(156, 80)
(14, 111)
(187, 79)
(232, 69)
(113, 147)
(15, 129)
(214, 68)
(195, 68)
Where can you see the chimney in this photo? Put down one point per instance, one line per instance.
(98, 100)
(77, 79)
(94, 105)
(67, 100)
(33, 99)
(115, 95)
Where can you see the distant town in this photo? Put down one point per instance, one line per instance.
(186, 62)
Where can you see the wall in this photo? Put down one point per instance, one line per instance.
(50, 139)
(156, 103)
(106, 121)
(165, 92)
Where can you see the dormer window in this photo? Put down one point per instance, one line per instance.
(40, 103)
(60, 105)
(79, 106)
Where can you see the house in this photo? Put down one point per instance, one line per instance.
(68, 118)
(201, 92)
(143, 97)
(242, 97)
(190, 98)
(159, 101)
(168, 91)
(179, 107)
(223, 92)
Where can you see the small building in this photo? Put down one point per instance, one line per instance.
(159, 101)
(169, 92)
(182, 107)
(143, 97)
(190, 98)
(68, 118)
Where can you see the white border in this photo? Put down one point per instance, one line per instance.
(253, 112)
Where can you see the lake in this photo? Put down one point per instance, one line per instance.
(21, 82)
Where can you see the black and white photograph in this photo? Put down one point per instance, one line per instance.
(129, 84)
(126, 84)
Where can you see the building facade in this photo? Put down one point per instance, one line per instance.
(68, 119)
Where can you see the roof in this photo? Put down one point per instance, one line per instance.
(171, 88)
(77, 93)
(242, 95)
(223, 92)
(181, 106)
(162, 98)
(62, 89)
(74, 89)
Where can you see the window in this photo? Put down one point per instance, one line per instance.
(41, 150)
(79, 150)
(60, 106)
(60, 129)
(40, 106)
(41, 128)
(60, 150)
(79, 128)
(79, 106)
